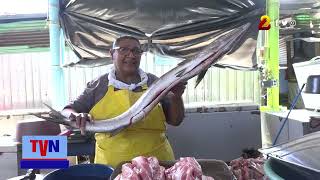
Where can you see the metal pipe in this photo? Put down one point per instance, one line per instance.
(57, 76)
(273, 7)
(271, 57)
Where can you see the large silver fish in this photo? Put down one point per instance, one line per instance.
(183, 72)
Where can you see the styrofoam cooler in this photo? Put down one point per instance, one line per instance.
(303, 70)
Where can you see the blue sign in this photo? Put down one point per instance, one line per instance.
(44, 152)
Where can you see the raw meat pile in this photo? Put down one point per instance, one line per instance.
(251, 168)
(187, 168)
(143, 168)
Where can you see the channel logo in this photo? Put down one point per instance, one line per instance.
(264, 23)
(287, 23)
(44, 152)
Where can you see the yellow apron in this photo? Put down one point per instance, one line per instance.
(146, 137)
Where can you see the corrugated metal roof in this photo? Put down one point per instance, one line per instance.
(27, 33)
(8, 18)
(282, 52)
(37, 38)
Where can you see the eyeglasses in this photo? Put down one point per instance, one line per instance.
(126, 51)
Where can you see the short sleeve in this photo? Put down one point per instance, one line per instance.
(151, 78)
(85, 101)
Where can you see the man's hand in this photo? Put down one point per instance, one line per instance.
(178, 89)
(173, 104)
(81, 120)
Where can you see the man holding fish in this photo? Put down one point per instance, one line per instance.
(126, 101)
(114, 93)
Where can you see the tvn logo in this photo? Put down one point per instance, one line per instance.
(44, 152)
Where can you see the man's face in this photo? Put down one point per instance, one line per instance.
(126, 56)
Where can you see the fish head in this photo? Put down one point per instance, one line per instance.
(219, 47)
(223, 41)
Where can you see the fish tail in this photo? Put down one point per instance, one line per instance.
(54, 112)
(51, 118)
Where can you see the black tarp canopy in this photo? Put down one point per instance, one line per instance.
(175, 28)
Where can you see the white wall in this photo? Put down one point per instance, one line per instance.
(216, 135)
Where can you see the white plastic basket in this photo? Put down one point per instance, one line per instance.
(303, 70)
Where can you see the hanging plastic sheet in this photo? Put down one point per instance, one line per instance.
(170, 28)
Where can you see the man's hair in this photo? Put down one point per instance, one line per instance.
(116, 42)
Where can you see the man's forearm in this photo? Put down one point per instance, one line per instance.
(173, 109)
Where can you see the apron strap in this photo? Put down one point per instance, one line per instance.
(111, 88)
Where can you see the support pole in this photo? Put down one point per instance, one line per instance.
(57, 81)
(272, 56)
